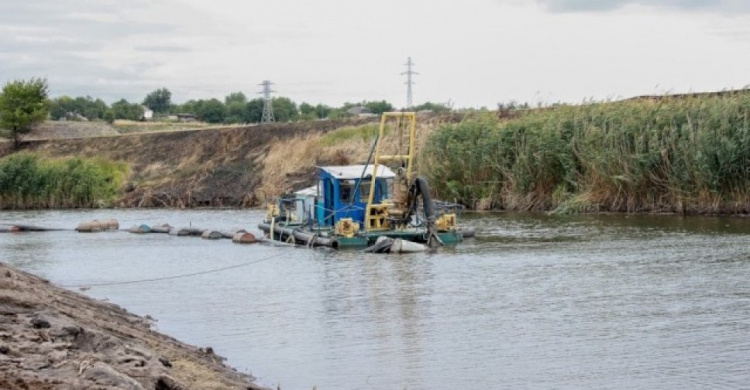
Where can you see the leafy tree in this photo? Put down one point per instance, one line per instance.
(284, 109)
(109, 116)
(337, 113)
(310, 112)
(306, 108)
(211, 111)
(323, 111)
(434, 107)
(61, 106)
(159, 100)
(123, 109)
(90, 108)
(378, 107)
(307, 112)
(233, 97)
(189, 107)
(84, 106)
(23, 104)
(254, 111)
(235, 111)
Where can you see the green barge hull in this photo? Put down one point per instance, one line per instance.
(359, 241)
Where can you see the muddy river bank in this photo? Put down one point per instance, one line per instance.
(52, 338)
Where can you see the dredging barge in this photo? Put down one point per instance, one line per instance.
(353, 206)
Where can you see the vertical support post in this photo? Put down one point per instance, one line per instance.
(375, 164)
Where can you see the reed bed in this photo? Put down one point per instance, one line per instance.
(28, 181)
(670, 154)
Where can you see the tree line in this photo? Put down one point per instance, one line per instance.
(234, 108)
(25, 103)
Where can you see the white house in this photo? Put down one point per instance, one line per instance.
(147, 113)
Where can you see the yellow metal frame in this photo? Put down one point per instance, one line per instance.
(372, 225)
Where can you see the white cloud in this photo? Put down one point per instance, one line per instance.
(333, 51)
(721, 6)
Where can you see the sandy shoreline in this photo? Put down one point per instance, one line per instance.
(52, 338)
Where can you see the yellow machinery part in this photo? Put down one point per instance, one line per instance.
(377, 219)
(272, 211)
(400, 195)
(446, 222)
(347, 227)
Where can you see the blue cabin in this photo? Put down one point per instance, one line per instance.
(343, 192)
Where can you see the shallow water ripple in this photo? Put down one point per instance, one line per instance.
(534, 301)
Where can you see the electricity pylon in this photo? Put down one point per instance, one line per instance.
(267, 116)
(409, 73)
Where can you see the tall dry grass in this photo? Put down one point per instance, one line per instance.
(295, 157)
(688, 154)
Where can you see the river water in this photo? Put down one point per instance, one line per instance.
(534, 301)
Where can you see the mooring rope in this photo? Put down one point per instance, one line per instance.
(173, 276)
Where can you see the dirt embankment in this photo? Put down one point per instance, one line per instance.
(194, 168)
(238, 166)
(51, 338)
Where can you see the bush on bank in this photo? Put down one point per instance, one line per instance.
(28, 181)
(678, 154)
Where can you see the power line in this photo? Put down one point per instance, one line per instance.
(267, 116)
(210, 271)
(409, 73)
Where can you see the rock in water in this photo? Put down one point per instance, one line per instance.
(211, 235)
(244, 238)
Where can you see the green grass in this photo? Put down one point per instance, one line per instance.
(339, 136)
(688, 154)
(28, 181)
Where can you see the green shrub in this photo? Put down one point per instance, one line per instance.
(30, 181)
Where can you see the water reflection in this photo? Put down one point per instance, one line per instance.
(28, 250)
(387, 297)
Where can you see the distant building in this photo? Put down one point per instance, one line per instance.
(186, 117)
(147, 114)
(360, 111)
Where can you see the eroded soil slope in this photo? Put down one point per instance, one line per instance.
(51, 338)
(198, 168)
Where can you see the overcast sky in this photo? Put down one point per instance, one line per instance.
(473, 53)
